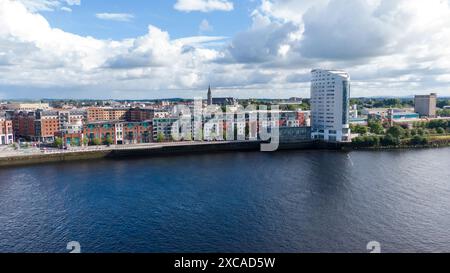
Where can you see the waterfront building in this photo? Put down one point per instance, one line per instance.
(23, 124)
(118, 132)
(295, 134)
(71, 127)
(425, 105)
(330, 96)
(162, 128)
(46, 125)
(6, 131)
(292, 118)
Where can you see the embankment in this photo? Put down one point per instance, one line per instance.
(156, 150)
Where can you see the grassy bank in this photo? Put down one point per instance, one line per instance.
(431, 141)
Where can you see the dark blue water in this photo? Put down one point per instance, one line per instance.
(302, 201)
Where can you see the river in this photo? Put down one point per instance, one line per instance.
(293, 201)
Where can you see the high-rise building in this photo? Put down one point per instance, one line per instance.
(330, 99)
(425, 105)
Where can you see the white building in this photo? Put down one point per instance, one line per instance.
(28, 106)
(354, 111)
(6, 132)
(330, 98)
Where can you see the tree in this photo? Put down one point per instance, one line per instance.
(440, 130)
(188, 136)
(390, 140)
(160, 137)
(366, 141)
(97, 141)
(418, 140)
(396, 131)
(437, 123)
(376, 127)
(58, 142)
(109, 141)
(442, 103)
(444, 113)
(359, 129)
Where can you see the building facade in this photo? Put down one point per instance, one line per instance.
(106, 114)
(118, 132)
(140, 114)
(6, 131)
(330, 99)
(46, 126)
(24, 124)
(162, 128)
(27, 106)
(425, 105)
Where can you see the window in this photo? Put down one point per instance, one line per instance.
(345, 101)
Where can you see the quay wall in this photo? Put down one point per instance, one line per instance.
(162, 150)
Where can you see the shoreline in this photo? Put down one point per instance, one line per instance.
(167, 149)
(162, 149)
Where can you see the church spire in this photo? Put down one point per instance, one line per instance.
(209, 95)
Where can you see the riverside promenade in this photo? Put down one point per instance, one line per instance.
(11, 157)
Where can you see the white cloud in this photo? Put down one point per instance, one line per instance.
(205, 26)
(39, 56)
(121, 17)
(67, 9)
(390, 47)
(403, 38)
(203, 5)
(48, 5)
(73, 2)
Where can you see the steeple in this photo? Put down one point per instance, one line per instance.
(209, 95)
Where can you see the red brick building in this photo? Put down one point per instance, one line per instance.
(46, 126)
(119, 132)
(24, 124)
(106, 114)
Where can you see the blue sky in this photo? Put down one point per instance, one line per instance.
(136, 49)
(82, 19)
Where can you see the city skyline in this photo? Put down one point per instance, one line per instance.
(71, 49)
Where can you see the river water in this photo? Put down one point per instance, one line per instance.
(294, 201)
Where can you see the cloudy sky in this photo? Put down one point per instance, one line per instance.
(129, 49)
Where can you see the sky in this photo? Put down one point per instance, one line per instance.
(139, 49)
